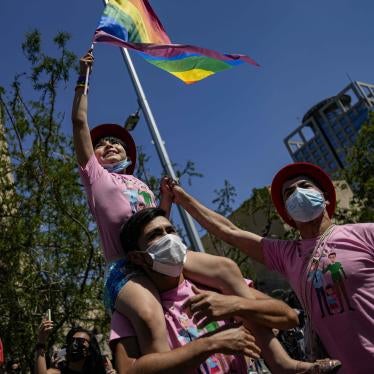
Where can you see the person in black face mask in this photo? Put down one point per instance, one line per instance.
(82, 352)
(78, 348)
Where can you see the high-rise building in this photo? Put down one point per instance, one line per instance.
(330, 127)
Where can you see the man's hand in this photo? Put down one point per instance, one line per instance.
(86, 62)
(166, 189)
(208, 306)
(45, 329)
(236, 340)
(178, 192)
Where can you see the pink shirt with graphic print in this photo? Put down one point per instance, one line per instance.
(113, 198)
(345, 277)
(182, 330)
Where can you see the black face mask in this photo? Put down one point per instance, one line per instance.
(76, 350)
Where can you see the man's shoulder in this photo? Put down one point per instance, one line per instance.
(356, 228)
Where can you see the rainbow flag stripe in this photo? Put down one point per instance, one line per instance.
(133, 21)
(133, 24)
(190, 63)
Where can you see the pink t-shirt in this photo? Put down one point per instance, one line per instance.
(113, 198)
(339, 291)
(182, 330)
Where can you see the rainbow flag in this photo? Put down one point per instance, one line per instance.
(133, 24)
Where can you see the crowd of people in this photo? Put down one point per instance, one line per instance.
(174, 310)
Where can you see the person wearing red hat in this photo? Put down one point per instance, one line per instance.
(325, 254)
(106, 158)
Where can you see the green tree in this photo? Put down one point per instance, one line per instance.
(360, 173)
(142, 172)
(50, 256)
(224, 200)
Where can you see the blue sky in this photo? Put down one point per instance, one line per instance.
(231, 125)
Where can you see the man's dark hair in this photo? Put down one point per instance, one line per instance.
(133, 228)
(310, 179)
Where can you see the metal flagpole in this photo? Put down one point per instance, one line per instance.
(189, 226)
(161, 150)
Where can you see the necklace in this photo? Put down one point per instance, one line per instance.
(305, 300)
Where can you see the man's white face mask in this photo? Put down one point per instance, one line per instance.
(168, 255)
(304, 205)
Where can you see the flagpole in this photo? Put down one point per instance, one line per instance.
(192, 233)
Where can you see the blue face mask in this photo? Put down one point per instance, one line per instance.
(305, 205)
(117, 167)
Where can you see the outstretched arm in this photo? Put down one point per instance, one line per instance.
(214, 223)
(40, 367)
(186, 358)
(81, 132)
(210, 306)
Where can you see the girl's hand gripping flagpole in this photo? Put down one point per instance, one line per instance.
(88, 71)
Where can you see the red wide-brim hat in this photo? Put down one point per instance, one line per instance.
(298, 169)
(112, 129)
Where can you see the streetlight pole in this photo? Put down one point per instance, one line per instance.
(160, 147)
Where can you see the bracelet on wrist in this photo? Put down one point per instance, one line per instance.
(81, 79)
(80, 85)
(81, 82)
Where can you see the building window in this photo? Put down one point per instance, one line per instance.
(353, 98)
(334, 142)
(344, 121)
(346, 142)
(348, 130)
(308, 131)
(332, 165)
(340, 136)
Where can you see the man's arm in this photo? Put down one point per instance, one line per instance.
(166, 195)
(208, 306)
(186, 358)
(81, 132)
(220, 226)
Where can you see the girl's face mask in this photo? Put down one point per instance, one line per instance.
(117, 167)
(305, 205)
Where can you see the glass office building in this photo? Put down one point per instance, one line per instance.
(330, 127)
